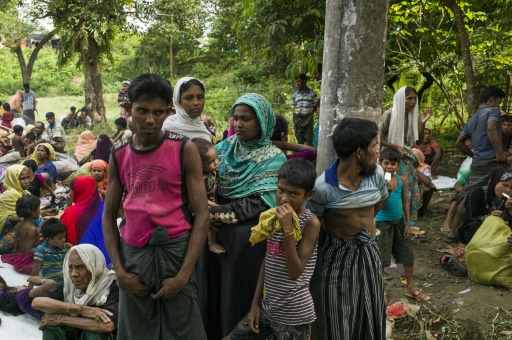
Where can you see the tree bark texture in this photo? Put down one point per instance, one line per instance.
(26, 70)
(353, 67)
(93, 83)
(472, 100)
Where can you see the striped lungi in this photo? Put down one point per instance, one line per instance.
(352, 288)
(480, 173)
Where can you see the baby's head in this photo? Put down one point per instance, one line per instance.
(208, 155)
(30, 137)
(18, 130)
(389, 160)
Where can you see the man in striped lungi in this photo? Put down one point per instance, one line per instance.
(347, 196)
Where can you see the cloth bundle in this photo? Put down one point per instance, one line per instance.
(269, 224)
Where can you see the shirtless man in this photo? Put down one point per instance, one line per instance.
(348, 195)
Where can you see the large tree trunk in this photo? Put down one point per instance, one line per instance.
(353, 67)
(26, 70)
(93, 85)
(472, 101)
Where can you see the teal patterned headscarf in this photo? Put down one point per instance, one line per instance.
(250, 167)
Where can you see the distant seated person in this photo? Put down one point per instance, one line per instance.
(30, 139)
(5, 146)
(7, 116)
(506, 130)
(41, 135)
(280, 139)
(85, 117)
(18, 141)
(56, 133)
(99, 172)
(85, 305)
(431, 150)
(85, 147)
(122, 131)
(103, 148)
(71, 120)
(43, 156)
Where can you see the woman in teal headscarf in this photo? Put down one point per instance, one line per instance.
(248, 165)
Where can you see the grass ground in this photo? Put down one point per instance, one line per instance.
(60, 106)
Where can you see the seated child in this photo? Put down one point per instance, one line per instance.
(18, 142)
(49, 256)
(210, 164)
(394, 229)
(30, 139)
(287, 310)
(26, 238)
(38, 181)
(122, 131)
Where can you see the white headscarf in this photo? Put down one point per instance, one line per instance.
(396, 125)
(102, 278)
(181, 122)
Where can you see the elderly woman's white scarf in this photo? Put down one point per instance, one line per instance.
(396, 125)
(181, 122)
(102, 278)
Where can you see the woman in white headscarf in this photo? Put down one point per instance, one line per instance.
(87, 301)
(401, 129)
(188, 99)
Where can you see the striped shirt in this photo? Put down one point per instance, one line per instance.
(52, 260)
(304, 104)
(287, 301)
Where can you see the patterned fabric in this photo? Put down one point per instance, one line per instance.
(480, 172)
(28, 100)
(270, 330)
(408, 172)
(14, 191)
(56, 127)
(429, 150)
(304, 104)
(269, 224)
(50, 169)
(224, 217)
(250, 167)
(52, 260)
(288, 301)
(210, 182)
(352, 289)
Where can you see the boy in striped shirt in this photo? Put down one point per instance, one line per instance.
(286, 311)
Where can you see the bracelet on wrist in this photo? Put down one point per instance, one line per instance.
(289, 234)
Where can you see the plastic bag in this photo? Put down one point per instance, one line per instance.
(488, 256)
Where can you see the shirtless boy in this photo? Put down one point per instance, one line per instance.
(348, 195)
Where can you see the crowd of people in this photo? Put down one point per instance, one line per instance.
(169, 233)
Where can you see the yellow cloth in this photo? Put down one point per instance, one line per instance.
(14, 191)
(488, 256)
(82, 171)
(51, 156)
(269, 224)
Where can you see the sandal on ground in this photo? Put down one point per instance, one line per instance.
(445, 231)
(418, 296)
(449, 239)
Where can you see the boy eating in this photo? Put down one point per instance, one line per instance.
(287, 309)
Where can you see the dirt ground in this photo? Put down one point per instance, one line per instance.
(484, 313)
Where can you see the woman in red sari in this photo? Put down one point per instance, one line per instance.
(83, 218)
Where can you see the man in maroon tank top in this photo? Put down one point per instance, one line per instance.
(155, 250)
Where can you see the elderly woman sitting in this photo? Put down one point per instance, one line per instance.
(85, 306)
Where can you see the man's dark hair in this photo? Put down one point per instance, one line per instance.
(302, 76)
(491, 92)
(188, 84)
(26, 205)
(389, 154)
(17, 128)
(506, 118)
(281, 128)
(30, 163)
(6, 107)
(85, 110)
(202, 145)
(352, 134)
(26, 85)
(52, 227)
(40, 123)
(50, 115)
(150, 85)
(72, 109)
(121, 122)
(298, 172)
(31, 135)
